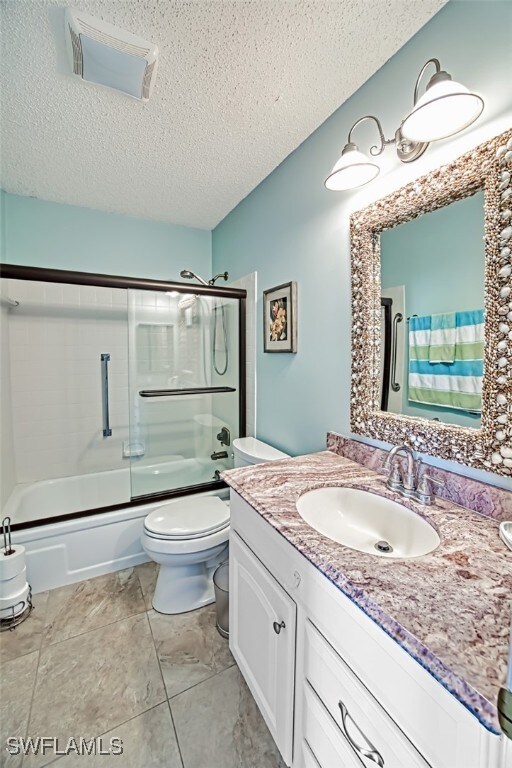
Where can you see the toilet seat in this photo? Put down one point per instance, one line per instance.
(194, 518)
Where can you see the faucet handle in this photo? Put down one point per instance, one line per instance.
(424, 490)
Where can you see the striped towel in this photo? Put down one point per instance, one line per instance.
(442, 338)
(449, 385)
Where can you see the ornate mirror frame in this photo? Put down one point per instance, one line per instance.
(488, 167)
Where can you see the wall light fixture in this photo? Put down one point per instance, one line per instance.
(445, 108)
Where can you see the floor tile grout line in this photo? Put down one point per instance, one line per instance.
(119, 725)
(194, 685)
(94, 629)
(206, 680)
(29, 718)
(176, 734)
(165, 689)
(108, 624)
(34, 650)
(136, 569)
(156, 653)
(79, 634)
(21, 656)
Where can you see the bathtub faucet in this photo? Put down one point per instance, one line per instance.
(219, 455)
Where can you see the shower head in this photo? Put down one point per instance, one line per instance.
(188, 275)
(187, 301)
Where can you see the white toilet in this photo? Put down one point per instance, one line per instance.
(188, 538)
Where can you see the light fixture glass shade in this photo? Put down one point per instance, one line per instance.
(353, 169)
(445, 108)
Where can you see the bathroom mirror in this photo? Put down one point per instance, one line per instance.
(432, 313)
(432, 330)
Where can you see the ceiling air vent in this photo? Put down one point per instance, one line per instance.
(106, 55)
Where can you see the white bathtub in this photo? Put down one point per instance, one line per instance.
(31, 502)
(67, 551)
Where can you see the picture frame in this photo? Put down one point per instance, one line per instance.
(280, 318)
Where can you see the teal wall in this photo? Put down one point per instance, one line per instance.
(42, 234)
(2, 224)
(291, 228)
(439, 258)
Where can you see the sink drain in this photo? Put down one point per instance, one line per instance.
(383, 546)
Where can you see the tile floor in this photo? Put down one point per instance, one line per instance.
(95, 660)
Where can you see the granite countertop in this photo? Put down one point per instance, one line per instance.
(450, 609)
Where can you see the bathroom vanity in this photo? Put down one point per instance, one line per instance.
(359, 660)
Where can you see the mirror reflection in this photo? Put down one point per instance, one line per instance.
(432, 326)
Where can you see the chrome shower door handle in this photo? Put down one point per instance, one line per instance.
(368, 751)
(105, 359)
(395, 386)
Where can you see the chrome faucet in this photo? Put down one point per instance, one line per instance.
(417, 483)
(396, 482)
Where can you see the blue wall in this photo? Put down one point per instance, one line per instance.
(291, 228)
(42, 234)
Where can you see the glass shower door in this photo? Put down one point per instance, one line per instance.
(184, 389)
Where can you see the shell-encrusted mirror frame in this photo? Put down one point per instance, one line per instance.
(488, 167)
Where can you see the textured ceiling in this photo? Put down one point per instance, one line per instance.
(240, 85)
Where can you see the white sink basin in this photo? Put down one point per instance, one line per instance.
(369, 523)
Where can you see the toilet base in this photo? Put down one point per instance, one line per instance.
(183, 588)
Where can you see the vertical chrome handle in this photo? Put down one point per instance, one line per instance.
(371, 753)
(278, 626)
(105, 359)
(395, 386)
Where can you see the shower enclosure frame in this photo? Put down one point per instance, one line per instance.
(42, 274)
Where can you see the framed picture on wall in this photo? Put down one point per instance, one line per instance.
(280, 318)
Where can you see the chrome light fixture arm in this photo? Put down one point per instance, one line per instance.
(406, 150)
(375, 150)
(437, 65)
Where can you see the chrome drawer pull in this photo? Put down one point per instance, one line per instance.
(278, 626)
(371, 753)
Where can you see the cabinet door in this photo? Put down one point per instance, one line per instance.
(262, 639)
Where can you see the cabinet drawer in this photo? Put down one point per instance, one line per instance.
(354, 709)
(328, 746)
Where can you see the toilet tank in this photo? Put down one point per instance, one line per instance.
(249, 450)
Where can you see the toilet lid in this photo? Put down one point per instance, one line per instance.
(188, 518)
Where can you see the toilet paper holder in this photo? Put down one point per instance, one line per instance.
(14, 613)
(6, 528)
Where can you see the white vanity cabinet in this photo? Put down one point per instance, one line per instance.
(335, 690)
(262, 638)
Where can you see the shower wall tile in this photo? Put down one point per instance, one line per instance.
(56, 337)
